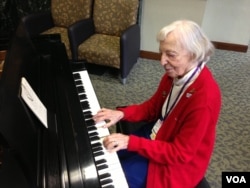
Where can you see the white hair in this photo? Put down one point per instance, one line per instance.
(191, 37)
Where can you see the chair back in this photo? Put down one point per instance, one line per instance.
(111, 17)
(65, 12)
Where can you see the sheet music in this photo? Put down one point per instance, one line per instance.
(33, 102)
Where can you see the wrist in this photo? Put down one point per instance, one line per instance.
(121, 114)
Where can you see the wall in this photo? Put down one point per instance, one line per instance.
(214, 16)
(227, 23)
(158, 13)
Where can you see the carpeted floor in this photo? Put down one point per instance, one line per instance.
(232, 71)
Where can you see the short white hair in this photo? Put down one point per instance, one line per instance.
(191, 37)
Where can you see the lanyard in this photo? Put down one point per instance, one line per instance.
(179, 94)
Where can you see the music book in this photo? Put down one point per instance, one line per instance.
(33, 101)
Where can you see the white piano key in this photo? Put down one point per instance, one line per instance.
(102, 132)
(111, 158)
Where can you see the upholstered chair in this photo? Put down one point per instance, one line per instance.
(63, 13)
(111, 38)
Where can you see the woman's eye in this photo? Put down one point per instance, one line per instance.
(172, 56)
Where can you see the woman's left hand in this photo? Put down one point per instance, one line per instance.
(115, 142)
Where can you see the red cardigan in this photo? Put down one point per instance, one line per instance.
(183, 147)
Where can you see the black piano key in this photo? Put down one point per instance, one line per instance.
(82, 97)
(97, 144)
(88, 115)
(76, 76)
(94, 138)
(78, 82)
(93, 134)
(99, 153)
(101, 161)
(106, 181)
(91, 128)
(90, 122)
(85, 105)
(80, 89)
(101, 167)
(104, 176)
(96, 149)
(87, 112)
(109, 186)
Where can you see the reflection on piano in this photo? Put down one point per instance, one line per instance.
(69, 153)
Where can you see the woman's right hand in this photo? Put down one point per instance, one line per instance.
(111, 117)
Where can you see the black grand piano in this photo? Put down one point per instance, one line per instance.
(69, 152)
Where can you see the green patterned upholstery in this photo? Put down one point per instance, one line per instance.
(65, 13)
(111, 18)
(101, 49)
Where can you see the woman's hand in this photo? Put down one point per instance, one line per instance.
(115, 142)
(110, 116)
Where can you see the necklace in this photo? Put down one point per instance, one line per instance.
(168, 110)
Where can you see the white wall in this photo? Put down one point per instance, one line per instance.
(214, 16)
(227, 21)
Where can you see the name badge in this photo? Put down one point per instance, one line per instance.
(155, 129)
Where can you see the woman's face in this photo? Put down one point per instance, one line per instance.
(175, 60)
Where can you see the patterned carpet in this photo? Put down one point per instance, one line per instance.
(231, 70)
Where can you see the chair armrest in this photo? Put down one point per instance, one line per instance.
(130, 48)
(37, 23)
(203, 183)
(126, 127)
(79, 32)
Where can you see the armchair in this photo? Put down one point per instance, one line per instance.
(111, 38)
(63, 13)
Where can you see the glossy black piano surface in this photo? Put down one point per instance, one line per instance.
(35, 156)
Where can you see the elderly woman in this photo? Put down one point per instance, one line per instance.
(174, 151)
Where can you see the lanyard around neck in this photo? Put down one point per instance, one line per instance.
(179, 94)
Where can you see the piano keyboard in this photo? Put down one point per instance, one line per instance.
(107, 164)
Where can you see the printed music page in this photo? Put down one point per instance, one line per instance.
(33, 102)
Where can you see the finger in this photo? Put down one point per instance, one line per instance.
(110, 142)
(108, 124)
(99, 117)
(113, 143)
(101, 110)
(113, 146)
(116, 144)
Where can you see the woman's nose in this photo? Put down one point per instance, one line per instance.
(164, 60)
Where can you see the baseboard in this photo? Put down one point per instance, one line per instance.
(150, 55)
(218, 45)
(230, 46)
